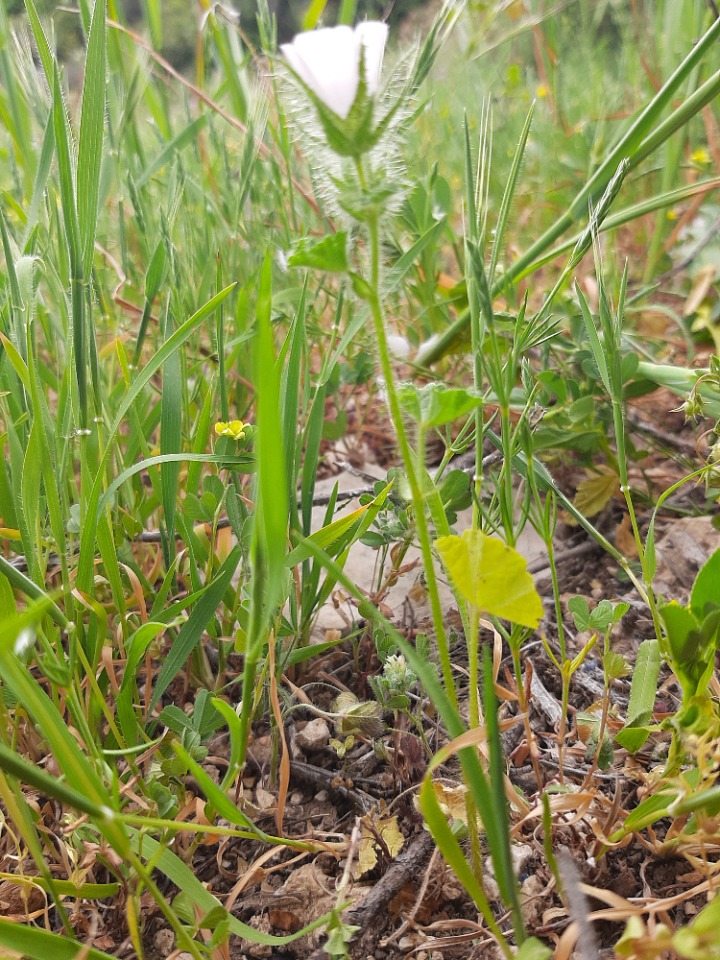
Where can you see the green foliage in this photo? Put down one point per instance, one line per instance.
(642, 697)
(166, 385)
(693, 636)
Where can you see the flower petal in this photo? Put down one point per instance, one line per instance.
(328, 61)
(373, 36)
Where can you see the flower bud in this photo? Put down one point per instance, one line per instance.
(329, 62)
(339, 69)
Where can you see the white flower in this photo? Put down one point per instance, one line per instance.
(328, 62)
(399, 346)
(24, 642)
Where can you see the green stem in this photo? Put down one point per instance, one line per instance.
(476, 341)
(619, 425)
(563, 653)
(506, 477)
(473, 644)
(418, 500)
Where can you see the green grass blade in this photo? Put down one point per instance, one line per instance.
(270, 527)
(453, 853)
(508, 196)
(31, 590)
(170, 440)
(36, 944)
(347, 12)
(502, 856)
(66, 165)
(41, 42)
(247, 464)
(314, 12)
(90, 144)
(192, 631)
(680, 116)
(600, 350)
(272, 499)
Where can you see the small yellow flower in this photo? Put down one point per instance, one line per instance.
(235, 429)
(701, 157)
(541, 91)
(671, 215)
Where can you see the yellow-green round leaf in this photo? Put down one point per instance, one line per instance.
(491, 576)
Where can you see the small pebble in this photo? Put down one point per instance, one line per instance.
(314, 736)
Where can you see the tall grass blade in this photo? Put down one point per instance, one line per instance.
(92, 124)
(41, 42)
(192, 631)
(170, 439)
(508, 196)
(270, 526)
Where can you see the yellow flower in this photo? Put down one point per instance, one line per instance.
(701, 157)
(541, 91)
(235, 429)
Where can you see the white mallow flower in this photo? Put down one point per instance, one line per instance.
(328, 62)
(399, 346)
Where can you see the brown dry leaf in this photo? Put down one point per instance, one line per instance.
(209, 838)
(406, 900)
(451, 801)
(264, 799)
(385, 827)
(284, 920)
(624, 539)
(20, 898)
(305, 896)
(596, 491)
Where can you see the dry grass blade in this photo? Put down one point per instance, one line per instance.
(587, 946)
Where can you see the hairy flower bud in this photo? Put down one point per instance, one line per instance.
(339, 70)
(330, 62)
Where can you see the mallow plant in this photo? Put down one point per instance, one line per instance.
(351, 126)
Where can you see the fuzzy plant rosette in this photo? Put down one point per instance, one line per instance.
(350, 126)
